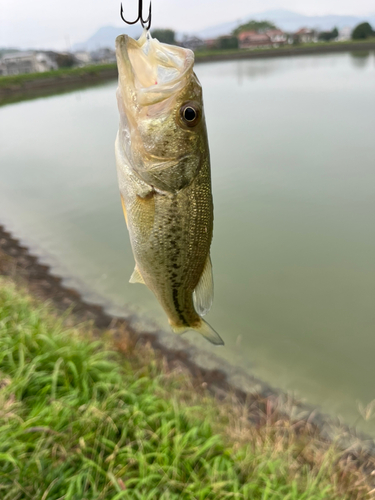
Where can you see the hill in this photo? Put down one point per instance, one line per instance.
(287, 21)
(106, 36)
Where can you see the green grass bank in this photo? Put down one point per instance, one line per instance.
(82, 419)
(92, 70)
(28, 86)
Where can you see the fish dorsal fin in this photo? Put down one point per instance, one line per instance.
(203, 295)
(136, 277)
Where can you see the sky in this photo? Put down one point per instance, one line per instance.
(60, 24)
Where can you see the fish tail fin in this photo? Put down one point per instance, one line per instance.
(209, 333)
(204, 329)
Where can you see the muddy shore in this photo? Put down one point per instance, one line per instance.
(206, 370)
(29, 89)
(17, 262)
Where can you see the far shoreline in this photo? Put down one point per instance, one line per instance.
(299, 50)
(29, 86)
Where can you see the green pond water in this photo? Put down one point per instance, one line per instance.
(293, 165)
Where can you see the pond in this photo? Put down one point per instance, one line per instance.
(292, 149)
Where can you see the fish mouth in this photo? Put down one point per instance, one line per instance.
(150, 71)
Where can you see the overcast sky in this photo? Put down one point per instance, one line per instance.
(60, 23)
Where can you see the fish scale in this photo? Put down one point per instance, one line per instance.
(185, 246)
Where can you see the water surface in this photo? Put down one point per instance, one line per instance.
(292, 146)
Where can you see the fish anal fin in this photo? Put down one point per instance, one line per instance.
(136, 277)
(204, 292)
(177, 328)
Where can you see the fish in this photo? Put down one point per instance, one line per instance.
(163, 168)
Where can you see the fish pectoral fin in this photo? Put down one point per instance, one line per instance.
(203, 328)
(203, 294)
(124, 210)
(142, 210)
(136, 277)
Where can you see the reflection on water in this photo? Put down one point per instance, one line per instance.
(361, 58)
(259, 69)
(294, 242)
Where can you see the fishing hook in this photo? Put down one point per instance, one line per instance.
(139, 18)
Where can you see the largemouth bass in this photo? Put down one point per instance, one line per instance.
(163, 168)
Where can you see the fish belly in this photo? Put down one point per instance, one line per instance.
(170, 235)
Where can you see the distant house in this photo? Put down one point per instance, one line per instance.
(210, 43)
(305, 35)
(277, 37)
(253, 40)
(82, 57)
(17, 63)
(345, 34)
(192, 42)
(103, 56)
(44, 62)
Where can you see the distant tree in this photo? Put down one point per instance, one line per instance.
(295, 39)
(326, 36)
(254, 26)
(362, 31)
(64, 60)
(164, 35)
(227, 42)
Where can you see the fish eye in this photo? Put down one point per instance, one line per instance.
(190, 114)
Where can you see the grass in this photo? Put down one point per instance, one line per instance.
(79, 421)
